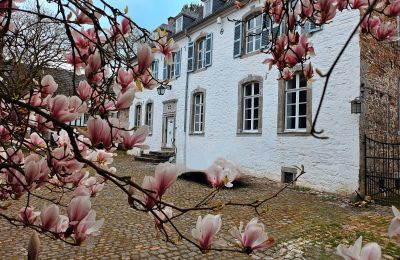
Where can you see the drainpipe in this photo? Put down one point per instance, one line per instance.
(186, 107)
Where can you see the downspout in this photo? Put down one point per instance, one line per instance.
(186, 108)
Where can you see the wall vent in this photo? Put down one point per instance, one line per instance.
(288, 174)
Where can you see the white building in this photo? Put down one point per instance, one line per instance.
(224, 101)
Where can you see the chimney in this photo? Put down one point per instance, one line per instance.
(171, 20)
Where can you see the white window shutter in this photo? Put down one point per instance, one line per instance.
(208, 54)
(190, 56)
(237, 42)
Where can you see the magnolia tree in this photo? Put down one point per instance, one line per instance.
(115, 66)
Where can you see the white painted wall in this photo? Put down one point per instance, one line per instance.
(331, 165)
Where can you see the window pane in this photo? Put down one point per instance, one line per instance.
(291, 84)
(302, 109)
(247, 103)
(291, 98)
(250, 44)
(303, 81)
(256, 102)
(291, 110)
(197, 118)
(303, 96)
(197, 110)
(256, 113)
(247, 125)
(302, 122)
(247, 90)
(256, 89)
(255, 124)
(247, 114)
(290, 123)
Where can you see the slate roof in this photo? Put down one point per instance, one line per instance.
(64, 78)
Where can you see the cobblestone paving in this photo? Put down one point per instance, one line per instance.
(305, 224)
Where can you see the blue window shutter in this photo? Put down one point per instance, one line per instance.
(208, 57)
(266, 31)
(190, 56)
(178, 63)
(165, 70)
(237, 42)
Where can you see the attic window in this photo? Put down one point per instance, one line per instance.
(207, 7)
(178, 24)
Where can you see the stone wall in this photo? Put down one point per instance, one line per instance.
(380, 74)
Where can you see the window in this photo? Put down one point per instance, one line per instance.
(154, 69)
(149, 116)
(250, 105)
(251, 102)
(138, 115)
(296, 103)
(80, 121)
(173, 70)
(178, 24)
(200, 52)
(197, 111)
(207, 7)
(253, 33)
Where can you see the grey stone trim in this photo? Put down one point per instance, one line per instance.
(250, 78)
(191, 125)
(285, 169)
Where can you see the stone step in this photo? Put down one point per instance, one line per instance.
(150, 159)
(156, 156)
(162, 153)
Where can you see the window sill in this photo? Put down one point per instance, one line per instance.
(294, 133)
(247, 55)
(199, 70)
(248, 133)
(197, 134)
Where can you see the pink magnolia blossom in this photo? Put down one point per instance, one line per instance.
(66, 109)
(62, 225)
(81, 17)
(78, 208)
(35, 169)
(36, 100)
(144, 58)
(49, 86)
(165, 46)
(149, 184)
(165, 176)
(99, 131)
(148, 81)
(327, 10)
(385, 31)
(4, 133)
(125, 100)
(370, 23)
(93, 186)
(27, 215)
(49, 216)
(35, 141)
(101, 157)
(87, 227)
(206, 229)
(394, 227)
(125, 79)
(92, 71)
(80, 191)
(75, 59)
(223, 172)
(393, 9)
(359, 4)
(164, 214)
(308, 71)
(33, 245)
(371, 251)
(84, 90)
(129, 141)
(121, 30)
(253, 238)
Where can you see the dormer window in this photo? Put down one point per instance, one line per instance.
(178, 24)
(207, 7)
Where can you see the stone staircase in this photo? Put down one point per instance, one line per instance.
(155, 156)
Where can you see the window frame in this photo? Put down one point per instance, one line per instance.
(282, 108)
(155, 69)
(297, 104)
(253, 33)
(250, 80)
(180, 28)
(147, 121)
(201, 41)
(138, 115)
(207, 3)
(202, 115)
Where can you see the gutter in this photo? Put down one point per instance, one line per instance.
(186, 108)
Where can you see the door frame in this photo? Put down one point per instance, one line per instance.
(169, 110)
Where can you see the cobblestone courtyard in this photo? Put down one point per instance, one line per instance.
(305, 224)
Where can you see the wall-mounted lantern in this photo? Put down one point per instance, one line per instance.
(356, 106)
(161, 89)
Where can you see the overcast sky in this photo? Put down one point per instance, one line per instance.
(151, 13)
